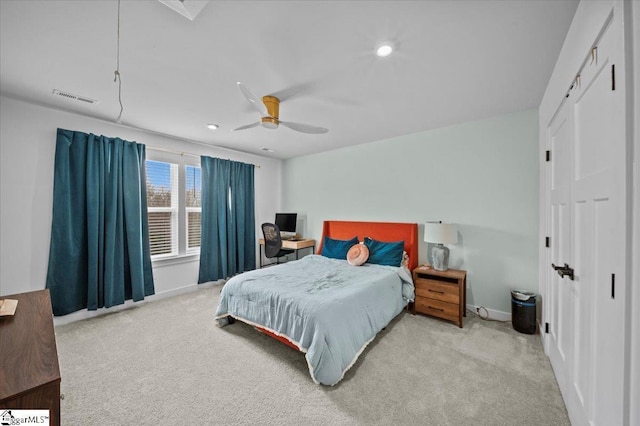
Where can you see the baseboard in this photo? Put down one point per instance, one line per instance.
(86, 314)
(542, 334)
(493, 314)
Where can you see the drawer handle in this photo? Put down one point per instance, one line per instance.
(435, 309)
(436, 291)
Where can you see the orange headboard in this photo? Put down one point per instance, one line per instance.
(382, 231)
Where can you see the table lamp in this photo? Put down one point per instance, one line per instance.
(440, 233)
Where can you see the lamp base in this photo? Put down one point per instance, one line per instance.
(440, 257)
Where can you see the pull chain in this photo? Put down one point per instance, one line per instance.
(116, 73)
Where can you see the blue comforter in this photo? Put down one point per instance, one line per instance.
(328, 308)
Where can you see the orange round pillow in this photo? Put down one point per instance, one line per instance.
(357, 255)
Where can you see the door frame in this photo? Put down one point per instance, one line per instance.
(632, 24)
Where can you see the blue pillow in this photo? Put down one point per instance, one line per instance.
(337, 249)
(383, 253)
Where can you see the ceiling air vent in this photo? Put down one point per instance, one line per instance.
(73, 97)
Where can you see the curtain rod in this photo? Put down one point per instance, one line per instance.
(131, 127)
(155, 148)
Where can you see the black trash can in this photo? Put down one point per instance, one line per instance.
(523, 311)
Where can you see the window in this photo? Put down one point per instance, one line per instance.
(162, 204)
(175, 208)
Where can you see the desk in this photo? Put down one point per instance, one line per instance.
(296, 245)
(29, 372)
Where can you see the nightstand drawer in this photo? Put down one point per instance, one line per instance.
(437, 290)
(437, 308)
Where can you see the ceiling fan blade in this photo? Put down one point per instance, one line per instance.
(294, 91)
(304, 128)
(253, 99)
(248, 126)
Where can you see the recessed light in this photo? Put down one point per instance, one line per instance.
(212, 126)
(267, 149)
(384, 50)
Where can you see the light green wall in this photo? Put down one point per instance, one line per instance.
(482, 176)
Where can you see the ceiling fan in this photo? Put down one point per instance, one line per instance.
(269, 109)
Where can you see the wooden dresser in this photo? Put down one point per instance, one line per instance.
(29, 372)
(440, 294)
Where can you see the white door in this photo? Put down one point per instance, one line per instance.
(599, 196)
(588, 222)
(563, 298)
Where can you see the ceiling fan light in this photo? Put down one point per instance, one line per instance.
(384, 50)
(212, 126)
(269, 122)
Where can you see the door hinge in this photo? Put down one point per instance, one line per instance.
(548, 156)
(546, 328)
(613, 76)
(613, 286)
(571, 88)
(547, 241)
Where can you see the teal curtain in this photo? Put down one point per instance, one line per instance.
(99, 254)
(228, 236)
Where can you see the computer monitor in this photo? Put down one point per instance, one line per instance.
(287, 223)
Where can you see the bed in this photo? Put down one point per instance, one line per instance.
(325, 307)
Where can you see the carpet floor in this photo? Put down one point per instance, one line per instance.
(166, 362)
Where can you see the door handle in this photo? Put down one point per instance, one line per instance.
(563, 271)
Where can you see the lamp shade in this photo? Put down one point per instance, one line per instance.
(440, 233)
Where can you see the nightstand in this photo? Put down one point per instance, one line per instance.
(441, 294)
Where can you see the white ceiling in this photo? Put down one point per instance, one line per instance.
(455, 61)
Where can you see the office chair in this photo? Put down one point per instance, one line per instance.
(273, 242)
